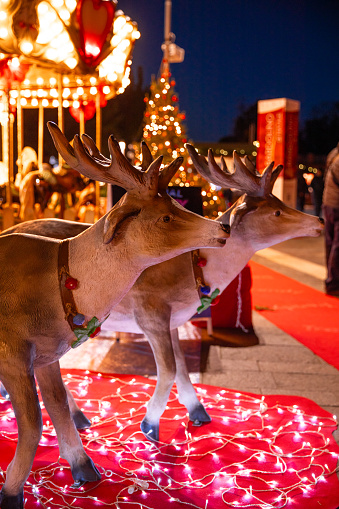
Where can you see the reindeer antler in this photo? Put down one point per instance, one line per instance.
(167, 173)
(86, 158)
(244, 176)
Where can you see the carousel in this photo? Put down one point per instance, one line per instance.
(55, 54)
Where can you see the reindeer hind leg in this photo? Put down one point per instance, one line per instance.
(3, 392)
(19, 381)
(79, 418)
(186, 392)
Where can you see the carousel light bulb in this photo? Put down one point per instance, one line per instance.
(93, 90)
(119, 23)
(64, 14)
(26, 47)
(76, 104)
(92, 49)
(115, 40)
(136, 34)
(71, 62)
(80, 91)
(55, 103)
(34, 102)
(112, 77)
(71, 5)
(23, 101)
(125, 82)
(51, 54)
(106, 89)
(15, 63)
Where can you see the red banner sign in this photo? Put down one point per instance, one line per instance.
(278, 134)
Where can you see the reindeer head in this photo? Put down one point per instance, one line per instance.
(149, 221)
(261, 216)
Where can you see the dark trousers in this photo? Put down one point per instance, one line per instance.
(331, 216)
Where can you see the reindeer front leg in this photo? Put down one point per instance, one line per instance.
(186, 391)
(70, 446)
(158, 334)
(17, 375)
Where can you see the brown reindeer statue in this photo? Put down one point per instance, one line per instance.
(258, 220)
(55, 294)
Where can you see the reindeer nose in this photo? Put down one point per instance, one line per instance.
(226, 228)
(321, 221)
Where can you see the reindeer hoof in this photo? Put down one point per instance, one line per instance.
(85, 471)
(199, 415)
(151, 431)
(10, 502)
(80, 420)
(3, 392)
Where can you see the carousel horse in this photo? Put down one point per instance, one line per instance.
(39, 185)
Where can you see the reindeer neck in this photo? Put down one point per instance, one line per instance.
(224, 264)
(105, 272)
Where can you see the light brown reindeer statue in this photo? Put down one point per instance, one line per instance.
(55, 294)
(258, 220)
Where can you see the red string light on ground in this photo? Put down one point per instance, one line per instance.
(258, 452)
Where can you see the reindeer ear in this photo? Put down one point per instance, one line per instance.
(117, 220)
(240, 208)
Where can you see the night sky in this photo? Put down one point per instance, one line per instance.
(240, 51)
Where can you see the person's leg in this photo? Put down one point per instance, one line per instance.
(332, 249)
(329, 230)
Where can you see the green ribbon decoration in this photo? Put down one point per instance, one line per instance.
(206, 300)
(84, 333)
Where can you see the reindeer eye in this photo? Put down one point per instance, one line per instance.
(277, 213)
(166, 219)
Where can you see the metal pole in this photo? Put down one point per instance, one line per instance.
(40, 135)
(60, 113)
(82, 122)
(98, 125)
(7, 209)
(20, 140)
(6, 155)
(167, 32)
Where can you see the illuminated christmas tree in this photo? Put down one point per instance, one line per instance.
(165, 134)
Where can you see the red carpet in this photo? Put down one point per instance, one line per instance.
(259, 452)
(308, 315)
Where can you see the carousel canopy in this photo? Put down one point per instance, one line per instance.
(87, 44)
